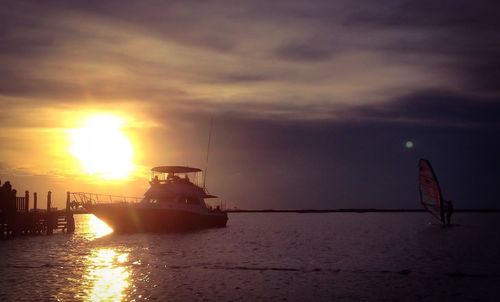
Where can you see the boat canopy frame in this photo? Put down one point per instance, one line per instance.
(175, 169)
(165, 174)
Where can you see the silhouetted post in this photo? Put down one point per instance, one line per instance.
(27, 201)
(49, 201)
(14, 200)
(48, 220)
(34, 202)
(35, 216)
(14, 223)
(67, 202)
(70, 220)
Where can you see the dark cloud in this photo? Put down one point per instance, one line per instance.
(307, 52)
(199, 24)
(460, 36)
(435, 108)
(18, 85)
(463, 14)
(244, 77)
(453, 41)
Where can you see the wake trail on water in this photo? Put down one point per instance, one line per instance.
(403, 272)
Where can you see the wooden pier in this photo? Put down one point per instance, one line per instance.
(17, 218)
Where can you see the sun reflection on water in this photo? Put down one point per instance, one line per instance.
(108, 274)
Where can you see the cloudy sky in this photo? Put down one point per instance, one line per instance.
(313, 102)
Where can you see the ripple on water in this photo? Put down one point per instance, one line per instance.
(295, 257)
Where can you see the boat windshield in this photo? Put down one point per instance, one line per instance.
(162, 178)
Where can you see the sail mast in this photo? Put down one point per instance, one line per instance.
(208, 151)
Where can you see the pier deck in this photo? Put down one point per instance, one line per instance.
(21, 220)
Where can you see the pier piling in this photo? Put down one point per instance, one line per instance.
(70, 220)
(27, 201)
(48, 219)
(16, 217)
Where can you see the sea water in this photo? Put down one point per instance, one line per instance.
(266, 257)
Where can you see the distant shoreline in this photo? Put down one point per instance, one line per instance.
(309, 211)
(361, 211)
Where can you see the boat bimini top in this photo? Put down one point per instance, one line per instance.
(191, 179)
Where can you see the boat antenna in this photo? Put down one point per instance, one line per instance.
(208, 151)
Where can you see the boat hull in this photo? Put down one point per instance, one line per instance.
(127, 219)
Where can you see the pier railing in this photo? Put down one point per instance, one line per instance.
(17, 218)
(84, 198)
(20, 203)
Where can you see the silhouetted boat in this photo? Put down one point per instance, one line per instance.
(172, 203)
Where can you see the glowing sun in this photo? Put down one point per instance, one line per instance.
(102, 148)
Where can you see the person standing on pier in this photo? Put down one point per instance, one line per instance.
(10, 198)
(7, 186)
(5, 197)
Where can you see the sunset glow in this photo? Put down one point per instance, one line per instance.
(249, 150)
(302, 95)
(102, 147)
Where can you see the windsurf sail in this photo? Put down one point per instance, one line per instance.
(430, 192)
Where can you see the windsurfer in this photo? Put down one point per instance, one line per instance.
(449, 211)
(443, 214)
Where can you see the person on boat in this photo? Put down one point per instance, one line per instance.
(172, 177)
(155, 180)
(449, 212)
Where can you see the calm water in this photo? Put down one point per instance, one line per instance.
(287, 257)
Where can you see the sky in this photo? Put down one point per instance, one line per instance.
(315, 104)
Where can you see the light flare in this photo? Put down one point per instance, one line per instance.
(98, 227)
